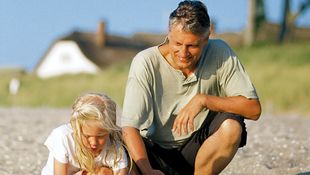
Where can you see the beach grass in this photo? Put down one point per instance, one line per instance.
(62, 91)
(280, 74)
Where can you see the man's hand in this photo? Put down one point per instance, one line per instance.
(185, 118)
(147, 170)
(153, 172)
(156, 172)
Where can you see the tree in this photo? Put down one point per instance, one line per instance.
(255, 19)
(289, 18)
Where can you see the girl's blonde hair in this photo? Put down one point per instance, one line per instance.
(95, 107)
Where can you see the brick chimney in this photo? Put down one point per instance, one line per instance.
(101, 35)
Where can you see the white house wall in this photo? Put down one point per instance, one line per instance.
(65, 57)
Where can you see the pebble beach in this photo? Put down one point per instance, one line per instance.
(276, 144)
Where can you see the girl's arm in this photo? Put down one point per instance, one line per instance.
(60, 168)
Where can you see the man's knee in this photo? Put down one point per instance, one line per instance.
(218, 151)
(231, 130)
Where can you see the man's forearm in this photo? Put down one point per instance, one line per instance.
(249, 108)
(136, 148)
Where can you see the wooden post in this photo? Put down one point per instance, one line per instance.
(249, 34)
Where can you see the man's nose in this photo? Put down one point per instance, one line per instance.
(184, 52)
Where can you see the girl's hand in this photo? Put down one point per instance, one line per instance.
(105, 171)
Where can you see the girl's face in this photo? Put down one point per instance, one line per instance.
(94, 137)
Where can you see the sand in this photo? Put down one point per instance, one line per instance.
(276, 144)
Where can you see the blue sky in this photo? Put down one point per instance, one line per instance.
(28, 27)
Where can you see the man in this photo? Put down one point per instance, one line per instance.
(186, 100)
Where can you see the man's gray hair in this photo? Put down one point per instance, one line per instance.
(193, 16)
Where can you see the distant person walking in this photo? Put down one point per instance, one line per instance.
(90, 144)
(186, 100)
(14, 86)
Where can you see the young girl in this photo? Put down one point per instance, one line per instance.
(90, 144)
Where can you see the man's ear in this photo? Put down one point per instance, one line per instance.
(206, 39)
(168, 36)
(207, 36)
(166, 39)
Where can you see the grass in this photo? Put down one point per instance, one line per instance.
(279, 72)
(62, 91)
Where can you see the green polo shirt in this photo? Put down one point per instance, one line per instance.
(156, 92)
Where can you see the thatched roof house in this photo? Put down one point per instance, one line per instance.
(82, 52)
